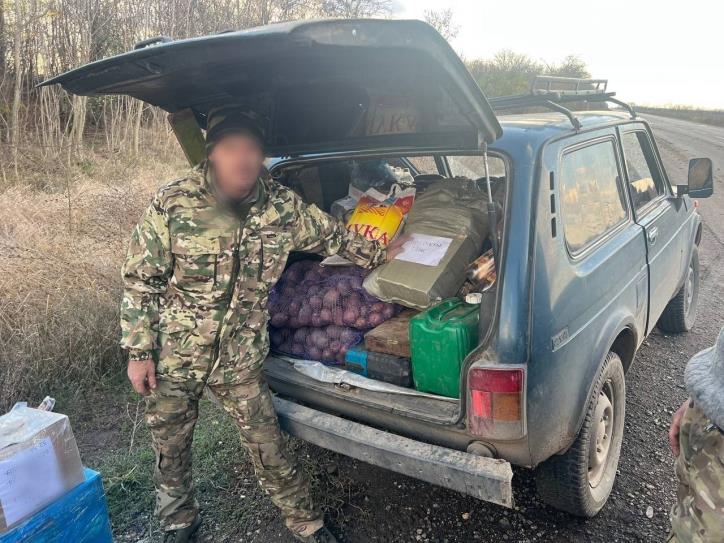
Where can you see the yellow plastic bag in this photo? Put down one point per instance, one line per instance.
(378, 217)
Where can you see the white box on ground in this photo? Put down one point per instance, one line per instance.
(39, 462)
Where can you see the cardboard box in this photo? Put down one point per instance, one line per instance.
(39, 462)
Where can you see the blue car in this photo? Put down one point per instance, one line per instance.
(596, 245)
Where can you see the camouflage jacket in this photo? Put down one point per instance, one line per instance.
(698, 515)
(191, 264)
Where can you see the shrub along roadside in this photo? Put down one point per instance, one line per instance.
(62, 243)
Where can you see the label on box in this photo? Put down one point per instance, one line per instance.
(28, 480)
(424, 249)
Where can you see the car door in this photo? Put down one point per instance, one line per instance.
(658, 212)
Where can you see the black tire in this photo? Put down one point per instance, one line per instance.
(579, 481)
(680, 313)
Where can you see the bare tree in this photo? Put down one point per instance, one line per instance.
(442, 21)
(353, 9)
(14, 129)
(2, 41)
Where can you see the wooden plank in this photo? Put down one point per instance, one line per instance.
(392, 336)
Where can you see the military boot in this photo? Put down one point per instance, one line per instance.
(184, 535)
(320, 536)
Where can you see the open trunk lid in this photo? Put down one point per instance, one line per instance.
(320, 86)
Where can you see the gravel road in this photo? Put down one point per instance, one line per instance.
(388, 507)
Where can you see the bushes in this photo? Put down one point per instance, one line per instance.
(61, 248)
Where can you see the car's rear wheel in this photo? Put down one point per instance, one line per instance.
(680, 313)
(580, 480)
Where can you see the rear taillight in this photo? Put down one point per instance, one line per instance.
(496, 402)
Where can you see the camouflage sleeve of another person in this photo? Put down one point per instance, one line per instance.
(698, 515)
(317, 232)
(145, 274)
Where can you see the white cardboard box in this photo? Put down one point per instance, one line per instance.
(39, 462)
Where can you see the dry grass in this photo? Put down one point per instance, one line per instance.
(62, 240)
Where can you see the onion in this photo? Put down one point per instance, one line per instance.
(279, 319)
(375, 319)
(348, 336)
(330, 299)
(338, 316)
(354, 300)
(305, 316)
(325, 315)
(350, 315)
(315, 302)
(343, 287)
(319, 338)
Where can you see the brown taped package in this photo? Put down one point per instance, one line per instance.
(392, 336)
(39, 462)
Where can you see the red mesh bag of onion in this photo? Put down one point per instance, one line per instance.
(319, 312)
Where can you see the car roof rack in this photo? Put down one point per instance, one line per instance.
(552, 91)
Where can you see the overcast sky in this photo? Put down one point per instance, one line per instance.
(651, 52)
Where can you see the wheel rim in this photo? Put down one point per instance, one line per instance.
(688, 299)
(602, 436)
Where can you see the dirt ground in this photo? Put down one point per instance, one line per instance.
(365, 503)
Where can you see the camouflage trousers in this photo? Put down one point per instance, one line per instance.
(698, 515)
(171, 414)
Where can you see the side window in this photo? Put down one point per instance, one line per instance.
(473, 166)
(643, 172)
(592, 197)
(423, 164)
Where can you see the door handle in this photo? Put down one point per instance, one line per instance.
(652, 233)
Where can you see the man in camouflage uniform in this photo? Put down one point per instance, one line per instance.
(196, 283)
(697, 440)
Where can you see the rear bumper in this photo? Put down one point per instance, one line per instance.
(488, 479)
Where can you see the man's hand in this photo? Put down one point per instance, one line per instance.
(675, 427)
(142, 374)
(394, 248)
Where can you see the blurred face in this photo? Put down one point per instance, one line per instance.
(237, 160)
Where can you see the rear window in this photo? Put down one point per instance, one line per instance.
(473, 166)
(591, 195)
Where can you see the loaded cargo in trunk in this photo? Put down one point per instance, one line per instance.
(323, 181)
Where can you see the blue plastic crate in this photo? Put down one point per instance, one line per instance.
(80, 516)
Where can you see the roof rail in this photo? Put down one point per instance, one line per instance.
(551, 92)
(545, 84)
